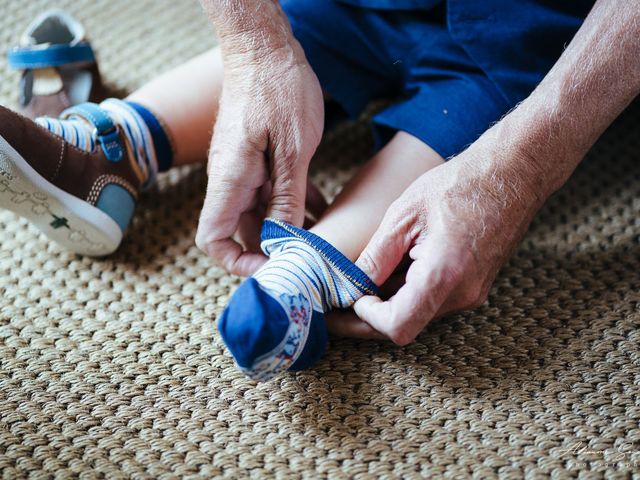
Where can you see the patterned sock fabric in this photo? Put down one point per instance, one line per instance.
(275, 320)
(143, 131)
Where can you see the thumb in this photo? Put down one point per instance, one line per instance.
(387, 247)
(287, 202)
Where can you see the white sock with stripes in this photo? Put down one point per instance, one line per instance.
(275, 320)
(294, 267)
(78, 132)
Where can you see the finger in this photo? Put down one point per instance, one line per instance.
(316, 204)
(401, 318)
(456, 265)
(404, 315)
(289, 187)
(459, 301)
(345, 323)
(225, 201)
(387, 247)
(230, 255)
(219, 220)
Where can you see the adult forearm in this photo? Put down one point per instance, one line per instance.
(253, 27)
(596, 77)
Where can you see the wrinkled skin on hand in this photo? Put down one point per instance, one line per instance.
(459, 222)
(269, 125)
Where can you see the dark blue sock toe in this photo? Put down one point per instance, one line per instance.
(253, 324)
(316, 343)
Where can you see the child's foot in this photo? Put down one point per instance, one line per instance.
(77, 179)
(275, 320)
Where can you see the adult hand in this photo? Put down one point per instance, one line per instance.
(269, 124)
(459, 223)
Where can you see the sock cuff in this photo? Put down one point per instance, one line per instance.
(161, 141)
(274, 229)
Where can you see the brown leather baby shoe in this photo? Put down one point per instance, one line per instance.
(82, 200)
(58, 66)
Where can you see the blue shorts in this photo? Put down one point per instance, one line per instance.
(360, 55)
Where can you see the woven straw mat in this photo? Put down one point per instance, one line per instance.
(113, 367)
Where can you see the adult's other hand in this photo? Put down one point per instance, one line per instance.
(269, 125)
(459, 223)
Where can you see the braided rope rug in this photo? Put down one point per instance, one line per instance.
(113, 368)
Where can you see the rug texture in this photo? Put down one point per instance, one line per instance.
(113, 368)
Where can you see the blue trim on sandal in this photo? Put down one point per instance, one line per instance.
(272, 229)
(50, 56)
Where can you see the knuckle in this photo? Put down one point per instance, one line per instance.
(395, 211)
(369, 264)
(201, 241)
(400, 220)
(285, 203)
(287, 147)
(222, 259)
(206, 242)
(400, 336)
(203, 238)
(398, 332)
(452, 274)
(230, 266)
(473, 297)
(285, 157)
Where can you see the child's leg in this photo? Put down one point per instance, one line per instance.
(82, 173)
(275, 320)
(186, 100)
(167, 122)
(350, 221)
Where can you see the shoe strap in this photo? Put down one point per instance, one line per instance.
(50, 55)
(105, 131)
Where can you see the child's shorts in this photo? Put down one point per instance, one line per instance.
(360, 55)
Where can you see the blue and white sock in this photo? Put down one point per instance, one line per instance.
(275, 320)
(143, 131)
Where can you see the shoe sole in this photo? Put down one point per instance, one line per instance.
(73, 223)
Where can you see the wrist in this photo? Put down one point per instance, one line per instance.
(253, 29)
(536, 143)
